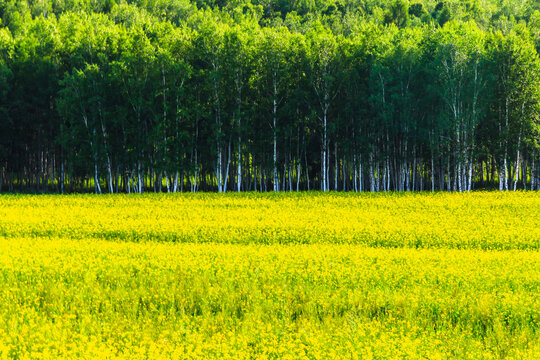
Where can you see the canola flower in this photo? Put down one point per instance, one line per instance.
(72, 288)
(484, 220)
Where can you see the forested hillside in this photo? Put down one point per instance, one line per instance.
(347, 95)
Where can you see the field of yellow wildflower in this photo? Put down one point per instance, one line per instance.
(270, 276)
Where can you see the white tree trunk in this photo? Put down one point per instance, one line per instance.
(275, 171)
(227, 167)
(533, 170)
(516, 170)
(505, 174)
(371, 173)
(167, 182)
(239, 168)
(97, 187)
(448, 175)
(109, 174)
(139, 179)
(355, 175)
(335, 167)
(62, 177)
(219, 170)
(298, 175)
(360, 178)
(324, 152)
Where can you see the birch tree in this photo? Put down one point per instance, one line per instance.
(323, 73)
(6, 49)
(457, 65)
(272, 77)
(209, 44)
(514, 63)
(133, 71)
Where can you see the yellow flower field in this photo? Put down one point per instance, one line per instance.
(288, 276)
(480, 220)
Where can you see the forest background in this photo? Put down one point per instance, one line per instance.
(346, 95)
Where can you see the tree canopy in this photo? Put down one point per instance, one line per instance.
(352, 95)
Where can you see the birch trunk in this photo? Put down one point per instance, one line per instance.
(307, 170)
(324, 150)
(371, 174)
(167, 184)
(239, 168)
(62, 175)
(298, 174)
(175, 182)
(355, 175)
(227, 167)
(139, 179)
(219, 170)
(238, 84)
(533, 175)
(517, 170)
(274, 123)
(360, 177)
(335, 167)
(97, 187)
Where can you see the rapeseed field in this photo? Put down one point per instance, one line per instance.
(270, 276)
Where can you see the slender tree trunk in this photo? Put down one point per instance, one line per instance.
(219, 161)
(62, 173)
(175, 182)
(355, 175)
(324, 152)
(516, 168)
(139, 178)
(298, 174)
(344, 169)
(505, 173)
(167, 184)
(533, 170)
(275, 179)
(97, 187)
(524, 171)
(239, 167)
(307, 170)
(254, 177)
(371, 173)
(227, 167)
(360, 173)
(219, 170)
(335, 167)
(289, 172)
(469, 185)
(432, 173)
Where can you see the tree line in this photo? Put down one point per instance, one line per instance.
(264, 96)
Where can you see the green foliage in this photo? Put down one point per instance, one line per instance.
(112, 91)
(417, 9)
(398, 14)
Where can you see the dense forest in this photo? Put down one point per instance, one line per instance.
(262, 95)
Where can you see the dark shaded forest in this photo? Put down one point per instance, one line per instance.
(269, 95)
